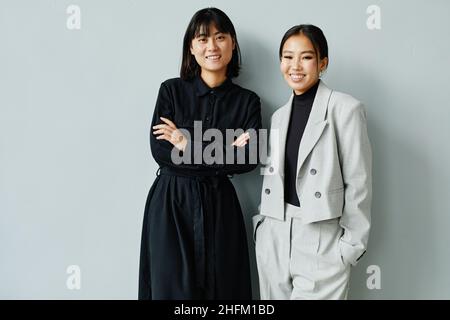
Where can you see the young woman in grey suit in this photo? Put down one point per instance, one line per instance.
(314, 216)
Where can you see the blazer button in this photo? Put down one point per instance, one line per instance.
(267, 191)
(271, 169)
(313, 171)
(318, 195)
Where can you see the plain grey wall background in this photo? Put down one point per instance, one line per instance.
(75, 111)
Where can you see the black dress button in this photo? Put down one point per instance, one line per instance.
(267, 191)
(318, 195)
(313, 171)
(271, 169)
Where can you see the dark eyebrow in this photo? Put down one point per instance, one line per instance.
(205, 35)
(308, 51)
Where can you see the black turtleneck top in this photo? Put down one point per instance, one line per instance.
(301, 108)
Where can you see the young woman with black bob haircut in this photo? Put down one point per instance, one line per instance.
(194, 244)
(315, 203)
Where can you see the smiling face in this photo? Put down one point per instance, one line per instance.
(213, 51)
(300, 65)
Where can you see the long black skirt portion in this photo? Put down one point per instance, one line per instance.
(194, 244)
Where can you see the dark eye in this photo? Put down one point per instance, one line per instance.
(308, 57)
(287, 57)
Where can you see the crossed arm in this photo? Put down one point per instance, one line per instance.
(168, 131)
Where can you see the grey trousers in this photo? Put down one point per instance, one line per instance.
(299, 261)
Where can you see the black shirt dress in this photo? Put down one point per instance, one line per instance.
(194, 244)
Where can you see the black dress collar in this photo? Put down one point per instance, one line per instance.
(202, 88)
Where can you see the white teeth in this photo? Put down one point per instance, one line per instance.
(213, 57)
(297, 77)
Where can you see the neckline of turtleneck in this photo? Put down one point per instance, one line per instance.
(308, 95)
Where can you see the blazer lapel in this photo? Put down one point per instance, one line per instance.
(315, 125)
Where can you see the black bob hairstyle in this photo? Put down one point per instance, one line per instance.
(313, 33)
(200, 22)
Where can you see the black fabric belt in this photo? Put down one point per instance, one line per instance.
(191, 173)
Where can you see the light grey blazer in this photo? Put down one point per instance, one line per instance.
(334, 168)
